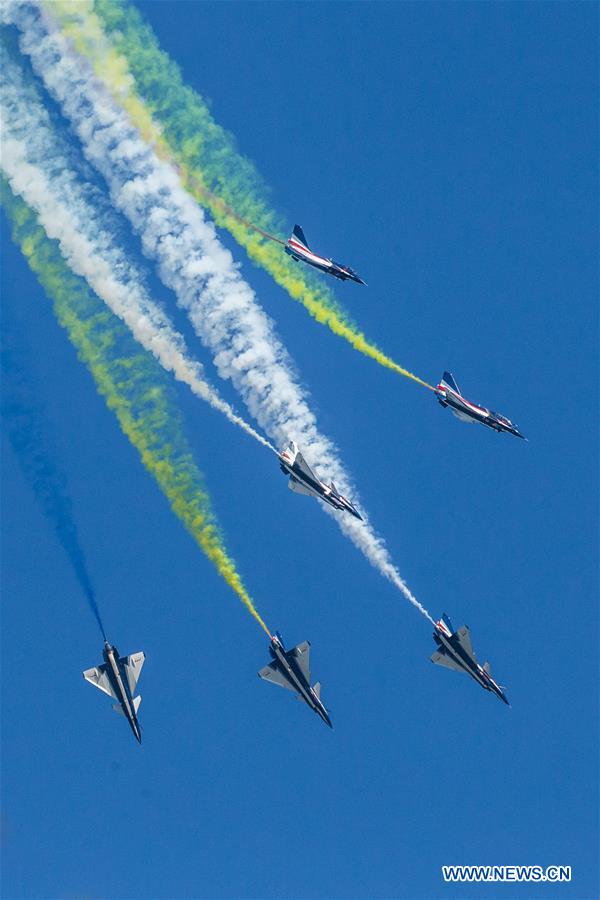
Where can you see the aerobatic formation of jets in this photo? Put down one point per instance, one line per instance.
(118, 676)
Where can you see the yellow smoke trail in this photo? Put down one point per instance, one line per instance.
(173, 119)
(133, 386)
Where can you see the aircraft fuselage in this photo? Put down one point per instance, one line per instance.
(293, 673)
(456, 651)
(119, 683)
(315, 487)
(471, 412)
(302, 254)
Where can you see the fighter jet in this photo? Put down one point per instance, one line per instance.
(448, 394)
(118, 677)
(290, 669)
(456, 652)
(297, 248)
(304, 481)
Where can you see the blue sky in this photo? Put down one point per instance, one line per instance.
(448, 152)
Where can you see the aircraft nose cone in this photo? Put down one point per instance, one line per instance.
(325, 716)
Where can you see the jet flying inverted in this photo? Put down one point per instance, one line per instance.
(297, 248)
(118, 677)
(290, 669)
(448, 394)
(456, 652)
(304, 481)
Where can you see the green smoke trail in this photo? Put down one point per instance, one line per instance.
(210, 166)
(133, 385)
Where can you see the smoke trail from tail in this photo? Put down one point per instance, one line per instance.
(192, 262)
(28, 432)
(126, 56)
(37, 165)
(134, 387)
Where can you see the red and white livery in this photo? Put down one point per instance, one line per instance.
(448, 394)
(297, 247)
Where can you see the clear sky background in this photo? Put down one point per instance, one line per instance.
(448, 152)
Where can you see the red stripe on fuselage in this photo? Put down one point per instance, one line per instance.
(480, 409)
(300, 248)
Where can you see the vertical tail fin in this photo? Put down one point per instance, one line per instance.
(299, 235)
(293, 448)
(448, 623)
(448, 378)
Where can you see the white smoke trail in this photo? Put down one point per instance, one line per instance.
(192, 262)
(36, 164)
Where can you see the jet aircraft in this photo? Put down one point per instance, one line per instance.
(118, 677)
(456, 652)
(448, 394)
(304, 481)
(290, 669)
(297, 248)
